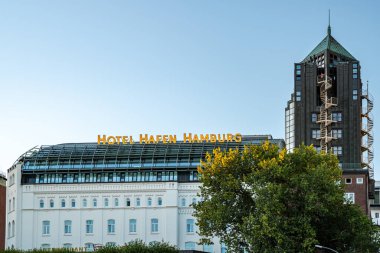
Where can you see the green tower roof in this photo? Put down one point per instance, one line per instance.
(329, 43)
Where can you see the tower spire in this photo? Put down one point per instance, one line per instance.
(329, 27)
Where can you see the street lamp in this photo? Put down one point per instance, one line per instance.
(323, 247)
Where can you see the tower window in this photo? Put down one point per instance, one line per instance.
(337, 116)
(316, 133)
(355, 94)
(298, 96)
(337, 150)
(314, 117)
(337, 133)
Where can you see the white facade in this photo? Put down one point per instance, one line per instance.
(81, 215)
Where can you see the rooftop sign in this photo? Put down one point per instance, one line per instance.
(169, 138)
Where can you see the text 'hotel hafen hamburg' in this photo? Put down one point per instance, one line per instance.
(89, 194)
(331, 109)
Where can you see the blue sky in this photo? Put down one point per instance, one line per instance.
(70, 70)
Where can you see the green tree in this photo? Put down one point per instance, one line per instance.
(267, 200)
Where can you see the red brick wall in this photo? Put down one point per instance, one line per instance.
(360, 190)
(2, 216)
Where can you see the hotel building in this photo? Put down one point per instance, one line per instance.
(85, 194)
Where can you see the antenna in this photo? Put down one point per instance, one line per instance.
(329, 27)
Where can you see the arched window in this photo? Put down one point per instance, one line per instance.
(14, 204)
(189, 245)
(89, 247)
(106, 202)
(42, 204)
(9, 205)
(45, 246)
(116, 202)
(149, 201)
(110, 244)
(73, 203)
(128, 202)
(159, 201)
(9, 229)
(84, 202)
(13, 228)
(208, 248)
(67, 246)
(111, 226)
(63, 203)
(138, 202)
(51, 203)
(183, 202)
(94, 202)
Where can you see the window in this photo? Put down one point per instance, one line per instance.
(194, 201)
(14, 204)
(138, 202)
(84, 202)
(89, 247)
(73, 203)
(89, 226)
(359, 180)
(9, 229)
(337, 116)
(159, 201)
(67, 245)
(106, 202)
(223, 248)
(189, 245)
(316, 133)
(111, 226)
(94, 203)
(116, 202)
(110, 244)
(13, 228)
(45, 246)
(298, 72)
(376, 215)
(355, 94)
(9, 205)
(190, 225)
(337, 133)
(355, 71)
(154, 225)
(183, 202)
(128, 202)
(337, 150)
(348, 180)
(46, 227)
(51, 203)
(298, 96)
(149, 201)
(349, 197)
(132, 226)
(63, 203)
(67, 227)
(314, 117)
(42, 204)
(208, 248)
